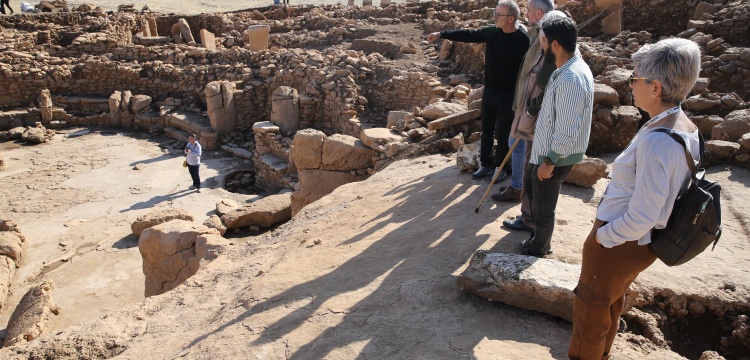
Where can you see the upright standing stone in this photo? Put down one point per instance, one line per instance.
(221, 107)
(176, 34)
(256, 37)
(114, 107)
(612, 24)
(187, 36)
(208, 40)
(152, 27)
(145, 28)
(285, 109)
(45, 105)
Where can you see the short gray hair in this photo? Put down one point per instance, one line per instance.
(674, 62)
(554, 14)
(544, 5)
(513, 9)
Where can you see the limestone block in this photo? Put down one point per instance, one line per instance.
(157, 217)
(475, 94)
(264, 212)
(735, 124)
(344, 152)
(442, 109)
(176, 33)
(605, 95)
(34, 135)
(706, 124)
(7, 269)
(220, 104)
(45, 105)
(16, 132)
(699, 103)
(446, 48)
(701, 85)
(523, 281)
(256, 37)
(114, 107)
(265, 127)
(274, 163)
(285, 109)
(308, 149)
(187, 36)
(704, 8)
(169, 254)
(453, 119)
(467, 157)
(33, 315)
(744, 141)
(612, 23)
(145, 29)
(152, 27)
(719, 150)
(127, 97)
(139, 102)
(397, 117)
(379, 139)
(314, 184)
(226, 205)
(11, 245)
(208, 39)
(587, 172)
(214, 222)
(238, 151)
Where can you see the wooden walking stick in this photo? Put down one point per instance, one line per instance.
(497, 173)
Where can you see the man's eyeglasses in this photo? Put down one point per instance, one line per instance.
(632, 79)
(496, 15)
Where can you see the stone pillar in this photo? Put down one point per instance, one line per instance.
(176, 35)
(114, 107)
(285, 109)
(145, 28)
(256, 37)
(446, 47)
(187, 36)
(612, 24)
(152, 27)
(208, 40)
(45, 105)
(220, 106)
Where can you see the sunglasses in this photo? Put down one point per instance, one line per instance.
(632, 79)
(496, 15)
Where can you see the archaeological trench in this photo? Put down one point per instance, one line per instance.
(312, 98)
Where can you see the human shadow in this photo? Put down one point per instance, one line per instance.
(405, 252)
(127, 242)
(161, 157)
(158, 199)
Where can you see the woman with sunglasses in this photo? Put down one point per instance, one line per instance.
(645, 181)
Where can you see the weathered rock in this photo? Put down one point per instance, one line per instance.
(446, 48)
(220, 105)
(314, 184)
(442, 109)
(264, 212)
(226, 205)
(16, 132)
(187, 35)
(369, 46)
(605, 95)
(454, 119)
(152, 26)
(308, 149)
(2, 163)
(157, 217)
(256, 37)
(475, 95)
(379, 138)
(127, 97)
(744, 142)
(344, 152)
(736, 124)
(34, 135)
(114, 107)
(719, 150)
(706, 124)
(139, 102)
(704, 8)
(214, 222)
(33, 315)
(45, 105)
(170, 254)
(7, 269)
(11, 245)
(397, 117)
(523, 281)
(613, 129)
(467, 157)
(698, 103)
(587, 172)
(208, 39)
(285, 109)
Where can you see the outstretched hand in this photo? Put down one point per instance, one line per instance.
(432, 37)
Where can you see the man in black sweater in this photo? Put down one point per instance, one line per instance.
(506, 46)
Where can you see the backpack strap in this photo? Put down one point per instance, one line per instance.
(688, 157)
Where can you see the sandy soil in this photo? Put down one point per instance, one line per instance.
(381, 284)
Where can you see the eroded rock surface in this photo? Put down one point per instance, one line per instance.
(157, 217)
(264, 212)
(32, 316)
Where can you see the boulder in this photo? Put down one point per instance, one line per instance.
(744, 142)
(446, 48)
(398, 119)
(187, 35)
(587, 172)
(45, 105)
(699, 103)
(214, 222)
(605, 95)
(314, 184)
(256, 37)
(704, 8)
(736, 124)
(475, 94)
(706, 124)
(208, 39)
(11, 245)
(16, 132)
(612, 129)
(344, 152)
(442, 109)
(379, 138)
(157, 217)
(467, 157)
(170, 254)
(719, 150)
(307, 150)
(264, 212)
(226, 205)
(139, 102)
(35, 135)
(33, 315)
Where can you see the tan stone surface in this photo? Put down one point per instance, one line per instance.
(314, 184)
(343, 152)
(33, 315)
(7, 269)
(157, 217)
(256, 37)
(264, 212)
(208, 39)
(379, 138)
(308, 149)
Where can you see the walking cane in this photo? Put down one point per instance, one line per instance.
(497, 173)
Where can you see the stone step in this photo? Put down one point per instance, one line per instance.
(192, 123)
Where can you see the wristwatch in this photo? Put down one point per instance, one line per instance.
(548, 162)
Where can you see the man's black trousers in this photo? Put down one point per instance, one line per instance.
(497, 117)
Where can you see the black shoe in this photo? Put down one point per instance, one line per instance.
(509, 194)
(516, 224)
(502, 176)
(526, 248)
(482, 172)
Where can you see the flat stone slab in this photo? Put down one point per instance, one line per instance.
(238, 151)
(379, 138)
(274, 162)
(455, 119)
(523, 281)
(264, 212)
(190, 122)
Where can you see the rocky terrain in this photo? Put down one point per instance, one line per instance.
(324, 229)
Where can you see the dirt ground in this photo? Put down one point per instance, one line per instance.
(380, 284)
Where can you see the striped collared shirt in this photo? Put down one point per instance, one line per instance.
(564, 122)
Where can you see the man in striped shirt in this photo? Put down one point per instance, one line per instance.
(562, 129)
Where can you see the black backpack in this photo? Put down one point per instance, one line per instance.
(695, 221)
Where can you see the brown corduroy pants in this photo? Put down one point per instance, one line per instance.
(600, 294)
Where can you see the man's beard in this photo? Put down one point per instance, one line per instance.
(549, 56)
